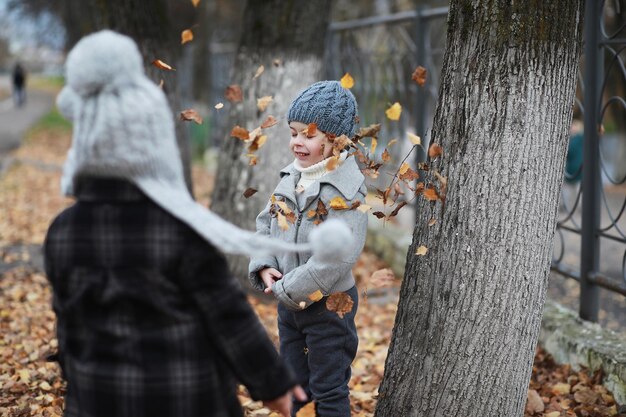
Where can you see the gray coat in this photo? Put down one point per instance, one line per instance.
(303, 275)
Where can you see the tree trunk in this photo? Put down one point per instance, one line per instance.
(470, 309)
(292, 32)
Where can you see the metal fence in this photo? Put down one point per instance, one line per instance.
(590, 245)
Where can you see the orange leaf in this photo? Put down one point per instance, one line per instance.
(240, 133)
(233, 93)
(341, 303)
(393, 112)
(253, 159)
(386, 157)
(263, 102)
(332, 163)
(186, 36)
(191, 114)
(311, 130)
(258, 72)
(419, 76)
(257, 143)
(409, 175)
(430, 194)
(347, 81)
(307, 411)
(434, 151)
(195, 3)
(269, 122)
(249, 192)
(162, 65)
(316, 296)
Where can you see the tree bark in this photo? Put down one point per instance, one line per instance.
(292, 32)
(470, 309)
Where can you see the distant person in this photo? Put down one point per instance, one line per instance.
(149, 320)
(19, 85)
(573, 166)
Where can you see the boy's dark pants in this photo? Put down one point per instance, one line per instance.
(320, 346)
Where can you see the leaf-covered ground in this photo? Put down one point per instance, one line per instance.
(31, 386)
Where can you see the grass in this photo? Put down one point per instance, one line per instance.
(52, 83)
(50, 121)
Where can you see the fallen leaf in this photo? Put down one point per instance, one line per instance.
(240, 133)
(347, 81)
(258, 72)
(561, 388)
(307, 411)
(316, 296)
(421, 251)
(341, 303)
(219, 105)
(249, 192)
(393, 112)
(419, 76)
(434, 151)
(233, 93)
(338, 203)
(162, 65)
(186, 36)
(415, 140)
(284, 207)
(191, 115)
(263, 102)
(269, 122)
(552, 414)
(534, 403)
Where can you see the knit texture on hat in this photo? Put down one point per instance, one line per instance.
(123, 128)
(327, 104)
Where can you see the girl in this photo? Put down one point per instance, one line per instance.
(319, 344)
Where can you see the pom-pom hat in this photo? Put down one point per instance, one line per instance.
(327, 104)
(123, 128)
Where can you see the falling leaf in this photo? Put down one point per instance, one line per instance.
(195, 3)
(534, 403)
(430, 194)
(373, 146)
(415, 140)
(249, 192)
(162, 65)
(284, 207)
(421, 251)
(338, 203)
(269, 122)
(219, 105)
(397, 209)
(419, 76)
(316, 296)
(240, 133)
(404, 168)
(386, 156)
(257, 143)
(369, 132)
(282, 221)
(434, 151)
(255, 133)
(381, 278)
(409, 175)
(307, 411)
(258, 72)
(186, 36)
(431, 222)
(233, 93)
(191, 115)
(347, 81)
(332, 163)
(393, 112)
(341, 303)
(311, 130)
(379, 214)
(391, 143)
(364, 208)
(263, 102)
(253, 159)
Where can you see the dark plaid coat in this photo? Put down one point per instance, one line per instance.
(150, 323)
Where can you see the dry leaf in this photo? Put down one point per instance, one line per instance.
(430, 193)
(258, 72)
(419, 76)
(386, 157)
(307, 411)
(397, 209)
(195, 3)
(233, 93)
(379, 214)
(282, 221)
(219, 105)
(263, 102)
(253, 159)
(186, 36)
(552, 414)
(338, 203)
(191, 114)
(409, 175)
(561, 388)
(311, 130)
(332, 163)
(534, 403)
(341, 303)
(373, 146)
(404, 168)
(415, 140)
(249, 192)
(421, 251)
(257, 143)
(393, 112)
(382, 278)
(369, 132)
(277, 62)
(434, 151)
(269, 122)
(347, 81)
(284, 207)
(431, 222)
(240, 133)
(316, 296)
(255, 133)
(162, 65)
(391, 142)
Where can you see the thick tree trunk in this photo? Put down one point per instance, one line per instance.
(470, 309)
(292, 32)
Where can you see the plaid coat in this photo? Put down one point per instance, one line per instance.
(149, 321)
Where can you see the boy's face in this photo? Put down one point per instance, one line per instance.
(308, 150)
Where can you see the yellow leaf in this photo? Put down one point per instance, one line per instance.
(347, 81)
(421, 251)
(373, 146)
(364, 208)
(195, 3)
(391, 142)
(393, 112)
(186, 36)
(258, 72)
(307, 411)
(24, 375)
(415, 140)
(45, 386)
(316, 296)
(282, 221)
(338, 203)
(403, 168)
(284, 207)
(162, 65)
(219, 106)
(263, 102)
(561, 388)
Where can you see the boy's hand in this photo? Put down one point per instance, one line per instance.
(269, 276)
(283, 403)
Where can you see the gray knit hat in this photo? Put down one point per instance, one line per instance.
(327, 104)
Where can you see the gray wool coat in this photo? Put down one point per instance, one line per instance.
(303, 275)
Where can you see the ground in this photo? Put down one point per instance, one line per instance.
(31, 386)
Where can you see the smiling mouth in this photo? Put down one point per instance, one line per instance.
(301, 154)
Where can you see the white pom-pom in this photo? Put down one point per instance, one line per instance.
(68, 102)
(331, 241)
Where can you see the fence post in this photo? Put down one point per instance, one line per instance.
(591, 183)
